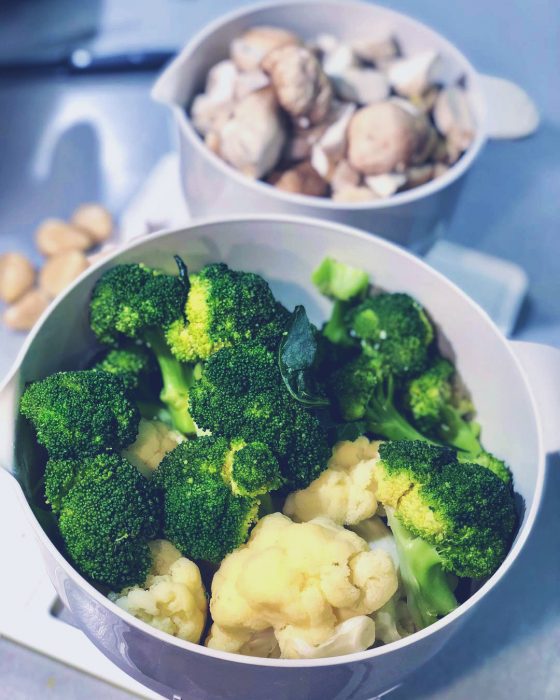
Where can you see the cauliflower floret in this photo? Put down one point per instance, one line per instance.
(300, 579)
(153, 442)
(173, 598)
(393, 621)
(345, 492)
(355, 634)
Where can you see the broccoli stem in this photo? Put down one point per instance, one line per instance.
(383, 418)
(177, 380)
(458, 433)
(428, 591)
(336, 328)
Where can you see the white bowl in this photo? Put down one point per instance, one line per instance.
(285, 250)
(414, 219)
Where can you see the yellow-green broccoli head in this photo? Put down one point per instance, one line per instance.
(224, 308)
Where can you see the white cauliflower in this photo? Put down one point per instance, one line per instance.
(302, 580)
(154, 440)
(173, 598)
(345, 492)
(393, 621)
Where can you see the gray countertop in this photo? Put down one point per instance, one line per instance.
(69, 140)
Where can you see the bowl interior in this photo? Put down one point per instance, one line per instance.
(285, 252)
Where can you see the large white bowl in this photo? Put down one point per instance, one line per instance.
(285, 250)
(414, 219)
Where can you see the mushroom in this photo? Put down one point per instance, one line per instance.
(344, 176)
(250, 81)
(301, 179)
(252, 140)
(453, 117)
(355, 195)
(362, 85)
(248, 50)
(212, 108)
(385, 185)
(302, 141)
(384, 138)
(412, 76)
(419, 175)
(377, 49)
(337, 61)
(300, 84)
(331, 147)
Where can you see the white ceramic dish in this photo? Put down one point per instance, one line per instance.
(518, 402)
(414, 219)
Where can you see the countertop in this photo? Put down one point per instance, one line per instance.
(65, 140)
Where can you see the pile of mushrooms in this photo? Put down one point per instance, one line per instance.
(354, 121)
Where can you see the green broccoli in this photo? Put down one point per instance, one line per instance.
(136, 366)
(107, 514)
(241, 394)
(80, 413)
(346, 285)
(136, 302)
(396, 327)
(362, 391)
(226, 307)
(436, 411)
(212, 491)
(463, 514)
(490, 461)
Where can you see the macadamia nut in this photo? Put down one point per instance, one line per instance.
(16, 276)
(95, 220)
(23, 315)
(61, 270)
(56, 236)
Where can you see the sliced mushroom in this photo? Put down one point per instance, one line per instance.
(355, 195)
(209, 115)
(385, 185)
(252, 140)
(339, 60)
(344, 176)
(250, 48)
(220, 82)
(453, 117)
(419, 175)
(414, 75)
(377, 49)
(249, 82)
(361, 85)
(300, 84)
(331, 147)
(301, 179)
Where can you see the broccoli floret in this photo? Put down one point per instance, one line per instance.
(226, 307)
(430, 400)
(490, 461)
(396, 327)
(362, 391)
(464, 511)
(212, 493)
(241, 394)
(136, 302)
(106, 518)
(137, 368)
(77, 414)
(346, 285)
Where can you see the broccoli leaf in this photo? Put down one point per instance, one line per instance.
(297, 359)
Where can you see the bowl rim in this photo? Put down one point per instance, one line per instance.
(263, 188)
(458, 614)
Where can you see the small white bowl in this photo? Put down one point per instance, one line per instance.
(514, 386)
(414, 219)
